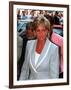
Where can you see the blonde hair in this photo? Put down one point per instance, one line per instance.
(41, 20)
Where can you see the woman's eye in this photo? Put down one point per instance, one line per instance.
(44, 30)
(37, 30)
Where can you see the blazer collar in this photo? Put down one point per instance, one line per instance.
(42, 55)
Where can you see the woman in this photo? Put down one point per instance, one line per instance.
(41, 57)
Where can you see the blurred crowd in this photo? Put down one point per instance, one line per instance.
(31, 14)
(25, 16)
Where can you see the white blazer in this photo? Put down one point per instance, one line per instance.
(47, 66)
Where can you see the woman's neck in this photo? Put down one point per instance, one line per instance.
(40, 45)
(41, 42)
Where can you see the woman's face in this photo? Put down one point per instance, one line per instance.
(41, 32)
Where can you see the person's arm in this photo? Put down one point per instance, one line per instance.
(54, 64)
(25, 68)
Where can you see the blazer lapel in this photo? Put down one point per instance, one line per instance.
(32, 56)
(44, 53)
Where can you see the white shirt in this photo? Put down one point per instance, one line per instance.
(36, 57)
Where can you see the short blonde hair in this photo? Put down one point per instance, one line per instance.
(41, 20)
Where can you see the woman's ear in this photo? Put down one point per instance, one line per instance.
(48, 35)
